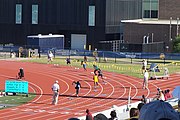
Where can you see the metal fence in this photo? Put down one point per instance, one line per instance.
(9, 51)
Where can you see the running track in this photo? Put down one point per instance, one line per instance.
(42, 76)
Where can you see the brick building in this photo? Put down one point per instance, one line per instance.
(158, 27)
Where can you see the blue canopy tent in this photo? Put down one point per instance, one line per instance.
(176, 92)
(154, 68)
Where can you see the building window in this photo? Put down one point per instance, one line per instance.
(91, 20)
(18, 13)
(150, 9)
(34, 14)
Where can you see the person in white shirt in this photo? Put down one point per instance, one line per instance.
(50, 56)
(55, 89)
(144, 66)
(146, 77)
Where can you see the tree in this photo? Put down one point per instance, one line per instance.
(176, 44)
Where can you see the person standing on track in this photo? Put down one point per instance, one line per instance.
(145, 82)
(50, 56)
(144, 66)
(77, 87)
(55, 89)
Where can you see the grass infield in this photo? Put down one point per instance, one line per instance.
(15, 100)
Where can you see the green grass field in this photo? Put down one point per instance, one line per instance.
(125, 66)
(19, 99)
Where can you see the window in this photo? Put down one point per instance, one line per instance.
(91, 21)
(34, 14)
(150, 8)
(18, 13)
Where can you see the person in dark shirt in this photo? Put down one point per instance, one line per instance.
(85, 58)
(20, 73)
(144, 100)
(113, 115)
(95, 69)
(77, 87)
(68, 61)
(88, 115)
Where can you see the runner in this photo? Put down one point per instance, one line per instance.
(95, 78)
(77, 87)
(95, 68)
(100, 74)
(20, 73)
(84, 64)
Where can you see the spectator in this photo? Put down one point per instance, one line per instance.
(113, 115)
(179, 105)
(133, 118)
(73, 119)
(144, 100)
(100, 116)
(167, 94)
(134, 112)
(140, 106)
(158, 110)
(161, 95)
(88, 115)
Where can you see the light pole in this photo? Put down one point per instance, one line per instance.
(69, 48)
(177, 26)
(167, 47)
(170, 26)
(152, 37)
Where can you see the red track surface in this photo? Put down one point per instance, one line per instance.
(42, 76)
